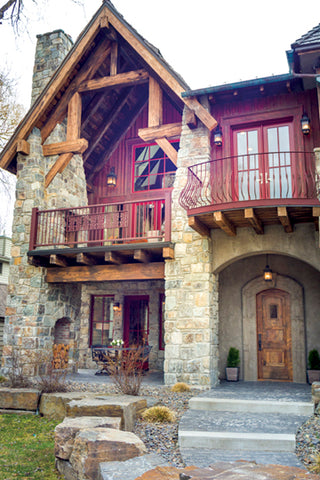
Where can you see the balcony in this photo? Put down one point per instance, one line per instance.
(252, 190)
(113, 233)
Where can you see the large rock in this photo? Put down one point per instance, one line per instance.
(53, 405)
(125, 406)
(129, 469)
(315, 390)
(96, 445)
(19, 399)
(66, 432)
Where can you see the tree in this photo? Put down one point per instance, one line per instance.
(12, 10)
(10, 114)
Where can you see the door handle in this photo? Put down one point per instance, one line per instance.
(259, 342)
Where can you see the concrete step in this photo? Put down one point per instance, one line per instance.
(257, 406)
(237, 441)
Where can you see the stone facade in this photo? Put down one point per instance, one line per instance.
(191, 326)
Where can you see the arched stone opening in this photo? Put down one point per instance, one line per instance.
(61, 331)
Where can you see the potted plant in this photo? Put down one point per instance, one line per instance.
(313, 366)
(233, 362)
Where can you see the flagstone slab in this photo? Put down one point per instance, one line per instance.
(19, 399)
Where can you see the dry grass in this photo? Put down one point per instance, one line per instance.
(180, 387)
(159, 414)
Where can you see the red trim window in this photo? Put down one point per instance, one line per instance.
(152, 169)
(101, 320)
(161, 321)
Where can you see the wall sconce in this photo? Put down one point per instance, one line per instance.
(267, 273)
(305, 124)
(217, 137)
(116, 307)
(111, 178)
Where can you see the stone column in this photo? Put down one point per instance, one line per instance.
(191, 316)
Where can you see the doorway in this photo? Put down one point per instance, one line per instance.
(136, 320)
(274, 335)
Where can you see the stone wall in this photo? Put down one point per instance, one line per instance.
(191, 317)
(33, 305)
(119, 290)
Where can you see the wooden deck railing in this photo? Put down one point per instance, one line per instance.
(255, 180)
(101, 225)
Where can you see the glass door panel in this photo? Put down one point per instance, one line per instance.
(136, 321)
(101, 320)
(278, 168)
(248, 165)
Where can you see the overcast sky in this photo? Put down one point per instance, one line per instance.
(208, 42)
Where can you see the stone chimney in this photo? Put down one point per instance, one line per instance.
(51, 49)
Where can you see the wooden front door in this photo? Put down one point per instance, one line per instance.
(274, 335)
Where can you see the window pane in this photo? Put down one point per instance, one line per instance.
(141, 169)
(156, 152)
(141, 154)
(102, 320)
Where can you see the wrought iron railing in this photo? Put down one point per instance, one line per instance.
(263, 178)
(101, 225)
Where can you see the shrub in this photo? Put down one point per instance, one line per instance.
(159, 414)
(52, 379)
(3, 379)
(315, 467)
(314, 360)
(180, 387)
(233, 359)
(19, 365)
(126, 369)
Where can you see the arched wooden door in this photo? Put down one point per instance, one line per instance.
(274, 335)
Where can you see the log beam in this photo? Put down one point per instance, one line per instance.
(168, 149)
(115, 81)
(114, 59)
(113, 257)
(284, 219)
(198, 226)
(253, 220)
(72, 146)
(58, 260)
(141, 256)
(170, 130)
(168, 252)
(59, 166)
(23, 147)
(155, 111)
(223, 223)
(103, 273)
(86, 259)
(191, 119)
(316, 214)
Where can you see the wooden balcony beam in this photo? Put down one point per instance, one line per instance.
(107, 273)
(86, 259)
(253, 220)
(115, 81)
(72, 146)
(58, 260)
(284, 219)
(113, 257)
(223, 223)
(198, 226)
(141, 256)
(170, 130)
(168, 252)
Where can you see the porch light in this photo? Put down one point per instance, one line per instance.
(305, 124)
(267, 273)
(112, 178)
(217, 138)
(116, 307)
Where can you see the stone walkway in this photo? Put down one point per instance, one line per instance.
(253, 421)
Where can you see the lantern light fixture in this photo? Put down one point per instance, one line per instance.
(267, 272)
(217, 137)
(111, 178)
(305, 124)
(116, 307)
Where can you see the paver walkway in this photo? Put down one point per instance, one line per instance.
(253, 421)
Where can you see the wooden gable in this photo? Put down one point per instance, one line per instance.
(107, 78)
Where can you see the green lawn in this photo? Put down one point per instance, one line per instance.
(27, 448)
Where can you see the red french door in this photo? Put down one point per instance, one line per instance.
(136, 320)
(263, 162)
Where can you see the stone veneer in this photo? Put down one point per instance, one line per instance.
(34, 306)
(191, 317)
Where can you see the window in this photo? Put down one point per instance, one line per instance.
(101, 323)
(153, 170)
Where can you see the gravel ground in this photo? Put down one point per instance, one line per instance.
(163, 438)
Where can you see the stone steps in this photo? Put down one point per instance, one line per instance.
(250, 428)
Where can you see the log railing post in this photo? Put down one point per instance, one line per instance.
(33, 229)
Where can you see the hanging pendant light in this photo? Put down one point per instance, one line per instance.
(267, 272)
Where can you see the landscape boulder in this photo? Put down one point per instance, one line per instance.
(19, 399)
(96, 445)
(66, 432)
(130, 469)
(53, 405)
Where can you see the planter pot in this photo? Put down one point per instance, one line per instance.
(232, 374)
(313, 376)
